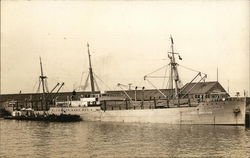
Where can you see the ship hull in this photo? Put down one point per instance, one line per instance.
(214, 113)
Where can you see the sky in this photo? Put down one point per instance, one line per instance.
(128, 39)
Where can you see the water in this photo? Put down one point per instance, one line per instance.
(98, 139)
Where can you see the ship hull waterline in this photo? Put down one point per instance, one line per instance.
(207, 113)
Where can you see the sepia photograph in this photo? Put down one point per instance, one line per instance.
(125, 79)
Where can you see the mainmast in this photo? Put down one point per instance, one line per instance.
(91, 72)
(42, 77)
(174, 75)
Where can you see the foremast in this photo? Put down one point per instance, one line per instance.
(91, 72)
(174, 75)
(42, 78)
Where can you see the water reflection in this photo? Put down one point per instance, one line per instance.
(98, 139)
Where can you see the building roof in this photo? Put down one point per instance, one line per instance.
(202, 87)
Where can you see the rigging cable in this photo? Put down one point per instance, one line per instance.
(97, 87)
(119, 85)
(164, 77)
(157, 89)
(46, 86)
(38, 88)
(81, 80)
(85, 84)
(102, 81)
(156, 70)
(34, 86)
(191, 69)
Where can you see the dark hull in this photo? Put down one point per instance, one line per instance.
(49, 118)
(3, 113)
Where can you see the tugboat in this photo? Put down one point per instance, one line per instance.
(30, 114)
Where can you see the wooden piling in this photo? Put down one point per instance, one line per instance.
(105, 105)
(154, 102)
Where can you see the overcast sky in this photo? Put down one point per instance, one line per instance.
(128, 39)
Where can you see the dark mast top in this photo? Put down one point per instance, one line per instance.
(91, 72)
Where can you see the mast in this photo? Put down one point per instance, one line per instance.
(217, 76)
(91, 72)
(42, 77)
(0, 73)
(174, 75)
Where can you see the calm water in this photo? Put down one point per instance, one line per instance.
(98, 139)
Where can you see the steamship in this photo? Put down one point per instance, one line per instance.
(197, 102)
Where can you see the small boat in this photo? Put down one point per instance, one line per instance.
(49, 118)
(30, 114)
